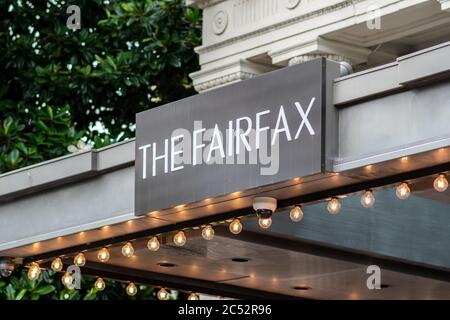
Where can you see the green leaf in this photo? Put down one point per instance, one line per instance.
(21, 294)
(45, 290)
(10, 292)
(41, 125)
(50, 112)
(111, 62)
(7, 123)
(175, 61)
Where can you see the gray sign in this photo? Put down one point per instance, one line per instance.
(253, 133)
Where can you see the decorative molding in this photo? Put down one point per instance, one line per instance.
(321, 47)
(220, 22)
(201, 4)
(309, 57)
(291, 4)
(276, 26)
(220, 81)
(345, 64)
(246, 12)
(227, 73)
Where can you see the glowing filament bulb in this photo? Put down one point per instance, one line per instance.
(193, 296)
(153, 244)
(179, 239)
(162, 294)
(440, 183)
(367, 199)
(34, 271)
(99, 284)
(265, 223)
(208, 232)
(235, 226)
(103, 255)
(127, 250)
(296, 214)
(79, 260)
(403, 191)
(67, 279)
(57, 265)
(334, 206)
(131, 289)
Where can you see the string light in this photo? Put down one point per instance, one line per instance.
(403, 191)
(180, 238)
(208, 232)
(57, 265)
(265, 223)
(296, 214)
(162, 294)
(34, 271)
(131, 289)
(103, 255)
(367, 199)
(127, 250)
(235, 226)
(79, 260)
(334, 206)
(440, 184)
(193, 296)
(153, 244)
(99, 284)
(67, 279)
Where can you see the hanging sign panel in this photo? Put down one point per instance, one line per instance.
(253, 133)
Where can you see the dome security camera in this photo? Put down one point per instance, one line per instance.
(6, 267)
(264, 206)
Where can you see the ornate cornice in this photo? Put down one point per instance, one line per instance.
(202, 3)
(309, 15)
(219, 81)
(309, 57)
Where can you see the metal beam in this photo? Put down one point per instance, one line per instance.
(308, 198)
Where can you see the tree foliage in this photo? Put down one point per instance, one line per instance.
(58, 85)
(49, 287)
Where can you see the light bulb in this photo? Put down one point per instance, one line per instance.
(180, 238)
(127, 250)
(99, 284)
(67, 279)
(296, 214)
(208, 232)
(333, 206)
(34, 271)
(79, 260)
(103, 255)
(367, 199)
(162, 294)
(193, 296)
(235, 226)
(265, 223)
(153, 244)
(57, 265)
(403, 191)
(131, 289)
(440, 183)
